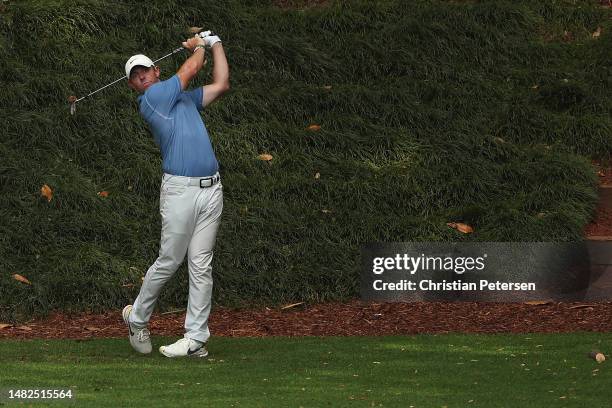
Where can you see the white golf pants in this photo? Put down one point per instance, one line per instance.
(190, 219)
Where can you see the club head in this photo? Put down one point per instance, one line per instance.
(72, 101)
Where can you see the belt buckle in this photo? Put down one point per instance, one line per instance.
(209, 180)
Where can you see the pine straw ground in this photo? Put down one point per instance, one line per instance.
(354, 318)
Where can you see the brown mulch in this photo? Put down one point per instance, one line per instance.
(354, 318)
(602, 223)
(604, 173)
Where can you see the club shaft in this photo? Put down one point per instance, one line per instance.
(123, 77)
(98, 90)
(167, 55)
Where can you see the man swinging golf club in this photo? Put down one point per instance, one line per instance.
(191, 194)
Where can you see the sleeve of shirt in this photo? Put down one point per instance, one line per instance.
(197, 96)
(162, 96)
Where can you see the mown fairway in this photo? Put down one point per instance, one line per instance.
(525, 370)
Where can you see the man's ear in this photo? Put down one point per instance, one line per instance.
(157, 72)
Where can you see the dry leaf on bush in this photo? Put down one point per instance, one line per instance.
(466, 229)
(22, 279)
(313, 128)
(265, 157)
(103, 194)
(46, 192)
(597, 33)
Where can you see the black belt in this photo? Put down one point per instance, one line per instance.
(204, 182)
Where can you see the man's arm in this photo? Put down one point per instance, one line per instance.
(192, 66)
(220, 83)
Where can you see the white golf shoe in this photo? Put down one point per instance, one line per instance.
(140, 338)
(184, 348)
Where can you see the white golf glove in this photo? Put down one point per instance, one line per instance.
(211, 40)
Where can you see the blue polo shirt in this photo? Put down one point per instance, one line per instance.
(178, 129)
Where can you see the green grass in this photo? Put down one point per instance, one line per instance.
(527, 370)
(438, 111)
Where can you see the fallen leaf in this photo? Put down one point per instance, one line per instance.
(317, 176)
(173, 311)
(326, 211)
(46, 192)
(327, 87)
(499, 140)
(24, 328)
(597, 356)
(535, 86)
(103, 194)
(597, 33)
(537, 302)
(568, 36)
(466, 229)
(314, 128)
(5, 325)
(291, 305)
(265, 157)
(127, 285)
(581, 306)
(22, 279)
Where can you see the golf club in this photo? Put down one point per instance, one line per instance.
(73, 99)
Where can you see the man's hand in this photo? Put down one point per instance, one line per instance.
(211, 40)
(193, 42)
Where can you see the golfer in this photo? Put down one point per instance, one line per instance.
(191, 194)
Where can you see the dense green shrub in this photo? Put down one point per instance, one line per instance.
(486, 112)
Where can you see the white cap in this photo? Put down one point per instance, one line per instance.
(136, 60)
